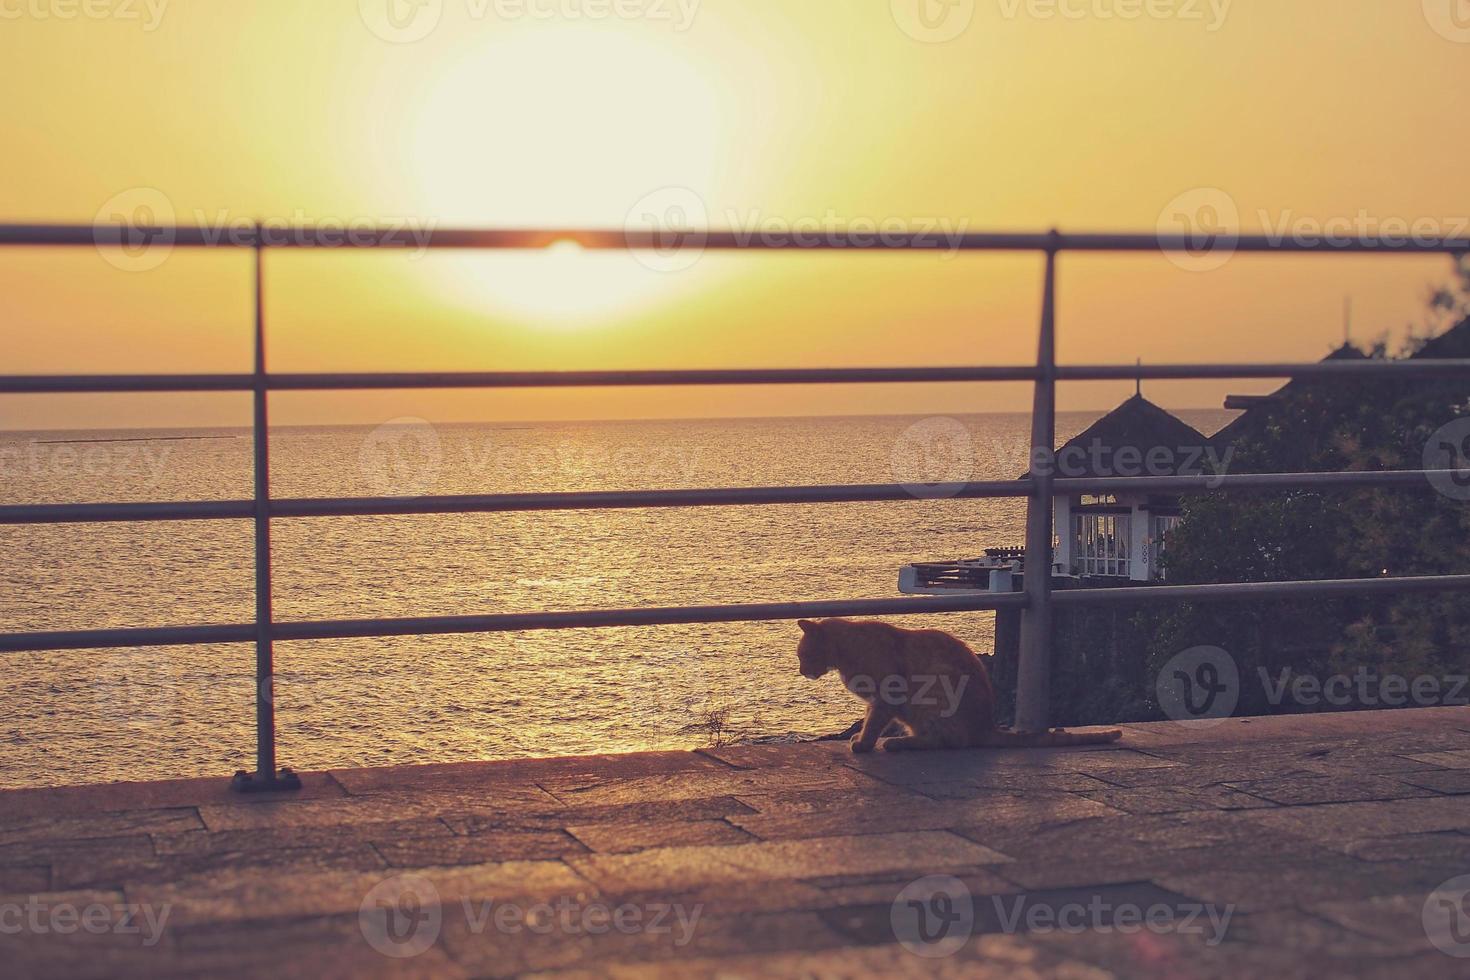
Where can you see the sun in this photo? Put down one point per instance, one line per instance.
(563, 286)
(562, 128)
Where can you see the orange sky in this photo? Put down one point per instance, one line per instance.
(755, 112)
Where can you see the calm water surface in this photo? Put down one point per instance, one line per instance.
(91, 716)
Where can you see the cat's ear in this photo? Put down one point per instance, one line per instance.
(807, 626)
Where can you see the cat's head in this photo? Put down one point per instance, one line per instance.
(814, 650)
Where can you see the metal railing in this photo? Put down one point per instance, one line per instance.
(1035, 602)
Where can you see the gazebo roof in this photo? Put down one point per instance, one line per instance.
(1156, 443)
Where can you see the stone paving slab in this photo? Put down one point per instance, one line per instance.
(425, 852)
(1303, 790)
(602, 790)
(1178, 799)
(628, 838)
(1450, 781)
(857, 854)
(641, 815)
(1031, 812)
(985, 958)
(244, 895)
(980, 784)
(459, 776)
(1020, 764)
(67, 801)
(1322, 836)
(34, 829)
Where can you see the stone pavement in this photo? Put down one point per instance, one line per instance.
(1309, 846)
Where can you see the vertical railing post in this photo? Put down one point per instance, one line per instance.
(266, 776)
(1033, 686)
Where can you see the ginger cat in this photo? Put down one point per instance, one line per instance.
(928, 681)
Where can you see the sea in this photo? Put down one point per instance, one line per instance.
(162, 712)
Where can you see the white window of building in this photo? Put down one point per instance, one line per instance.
(1102, 544)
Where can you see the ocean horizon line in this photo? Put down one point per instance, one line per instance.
(528, 423)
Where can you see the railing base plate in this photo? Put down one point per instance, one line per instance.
(252, 782)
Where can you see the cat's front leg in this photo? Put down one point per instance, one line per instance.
(874, 722)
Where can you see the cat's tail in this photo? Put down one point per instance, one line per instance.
(1056, 738)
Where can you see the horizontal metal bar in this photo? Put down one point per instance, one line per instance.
(637, 499)
(1245, 591)
(677, 615)
(163, 636)
(39, 384)
(719, 497)
(1372, 368)
(62, 384)
(1386, 479)
(127, 513)
(507, 622)
(631, 379)
(407, 236)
